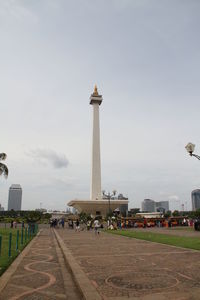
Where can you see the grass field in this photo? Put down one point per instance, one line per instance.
(5, 260)
(179, 241)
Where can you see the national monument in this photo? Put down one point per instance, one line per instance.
(96, 205)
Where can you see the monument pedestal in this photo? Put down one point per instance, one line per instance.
(97, 207)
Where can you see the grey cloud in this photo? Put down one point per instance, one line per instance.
(48, 156)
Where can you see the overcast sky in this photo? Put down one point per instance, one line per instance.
(144, 56)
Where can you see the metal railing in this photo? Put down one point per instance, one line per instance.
(16, 240)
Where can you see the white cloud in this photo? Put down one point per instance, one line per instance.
(48, 156)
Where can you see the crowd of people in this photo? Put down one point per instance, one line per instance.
(144, 223)
(78, 225)
(55, 223)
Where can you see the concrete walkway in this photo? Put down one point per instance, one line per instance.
(42, 273)
(124, 268)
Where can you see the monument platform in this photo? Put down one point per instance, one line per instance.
(97, 207)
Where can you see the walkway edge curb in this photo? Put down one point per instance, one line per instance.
(14, 265)
(84, 284)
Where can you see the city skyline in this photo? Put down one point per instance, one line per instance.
(144, 58)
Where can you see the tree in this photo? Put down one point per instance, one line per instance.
(84, 217)
(197, 213)
(175, 213)
(33, 216)
(3, 167)
(167, 214)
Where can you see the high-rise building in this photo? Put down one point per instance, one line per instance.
(15, 197)
(195, 195)
(162, 206)
(148, 205)
(1, 208)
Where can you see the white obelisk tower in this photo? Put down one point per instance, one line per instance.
(95, 101)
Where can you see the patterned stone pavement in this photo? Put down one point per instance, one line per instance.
(42, 274)
(125, 268)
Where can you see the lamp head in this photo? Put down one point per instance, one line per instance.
(190, 148)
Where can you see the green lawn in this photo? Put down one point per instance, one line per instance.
(5, 260)
(180, 241)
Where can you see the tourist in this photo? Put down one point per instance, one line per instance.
(62, 222)
(108, 224)
(77, 225)
(111, 226)
(88, 225)
(11, 224)
(96, 226)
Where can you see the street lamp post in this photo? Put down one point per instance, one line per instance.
(109, 197)
(190, 149)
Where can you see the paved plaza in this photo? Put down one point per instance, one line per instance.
(125, 268)
(106, 266)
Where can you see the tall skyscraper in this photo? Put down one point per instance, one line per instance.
(15, 197)
(195, 199)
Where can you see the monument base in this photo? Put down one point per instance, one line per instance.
(98, 207)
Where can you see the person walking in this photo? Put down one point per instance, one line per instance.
(96, 226)
(11, 224)
(88, 225)
(62, 222)
(77, 225)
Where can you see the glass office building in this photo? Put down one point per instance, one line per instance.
(195, 199)
(15, 197)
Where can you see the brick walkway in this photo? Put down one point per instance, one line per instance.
(42, 274)
(124, 268)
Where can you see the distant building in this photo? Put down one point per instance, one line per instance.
(1, 208)
(42, 210)
(15, 197)
(121, 197)
(162, 206)
(123, 208)
(74, 211)
(149, 205)
(195, 199)
(133, 211)
(149, 215)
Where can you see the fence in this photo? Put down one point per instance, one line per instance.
(12, 241)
